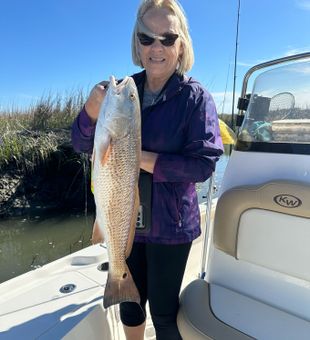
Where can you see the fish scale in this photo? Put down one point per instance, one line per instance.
(122, 196)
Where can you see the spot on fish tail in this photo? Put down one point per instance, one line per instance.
(120, 289)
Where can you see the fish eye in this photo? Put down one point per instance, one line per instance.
(132, 96)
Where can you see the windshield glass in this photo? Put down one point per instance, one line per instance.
(279, 108)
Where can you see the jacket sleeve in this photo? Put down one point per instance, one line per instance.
(202, 148)
(82, 133)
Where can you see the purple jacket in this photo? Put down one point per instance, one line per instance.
(183, 129)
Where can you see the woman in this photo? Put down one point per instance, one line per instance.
(181, 144)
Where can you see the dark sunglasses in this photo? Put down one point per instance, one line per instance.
(167, 39)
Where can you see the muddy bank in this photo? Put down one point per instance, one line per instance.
(60, 184)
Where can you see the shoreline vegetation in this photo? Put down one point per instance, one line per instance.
(40, 172)
(29, 136)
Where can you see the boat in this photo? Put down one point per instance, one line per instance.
(64, 299)
(255, 277)
(248, 275)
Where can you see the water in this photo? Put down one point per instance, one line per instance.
(202, 188)
(26, 244)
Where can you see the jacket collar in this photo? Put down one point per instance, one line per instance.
(173, 86)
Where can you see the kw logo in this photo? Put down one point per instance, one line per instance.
(287, 201)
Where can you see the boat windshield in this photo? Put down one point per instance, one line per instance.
(279, 107)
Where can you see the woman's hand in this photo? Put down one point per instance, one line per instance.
(148, 160)
(95, 99)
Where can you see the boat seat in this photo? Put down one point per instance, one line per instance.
(268, 225)
(196, 319)
(255, 227)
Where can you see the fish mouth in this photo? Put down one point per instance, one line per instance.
(117, 84)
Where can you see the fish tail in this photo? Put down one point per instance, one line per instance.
(120, 290)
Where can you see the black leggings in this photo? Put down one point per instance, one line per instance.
(158, 271)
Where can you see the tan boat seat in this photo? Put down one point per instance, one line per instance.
(268, 225)
(196, 319)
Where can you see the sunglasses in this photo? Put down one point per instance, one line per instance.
(167, 39)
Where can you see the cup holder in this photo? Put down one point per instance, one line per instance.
(103, 267)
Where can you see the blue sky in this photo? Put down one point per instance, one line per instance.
(61, 45)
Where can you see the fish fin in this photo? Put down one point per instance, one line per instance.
(105, 153)
(133, 223)
(120, 290)
(103, 150)
(97, 236)
(93, 156)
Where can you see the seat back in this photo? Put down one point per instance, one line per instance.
(268, 225)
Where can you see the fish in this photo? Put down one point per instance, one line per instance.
(115, 175)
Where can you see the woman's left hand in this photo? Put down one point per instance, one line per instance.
(148, 160)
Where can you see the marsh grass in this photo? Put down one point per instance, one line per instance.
(29, 136)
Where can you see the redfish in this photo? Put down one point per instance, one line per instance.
(116, 167)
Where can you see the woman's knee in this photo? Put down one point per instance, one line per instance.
(132, 314)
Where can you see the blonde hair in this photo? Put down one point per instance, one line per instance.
(187, 58)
